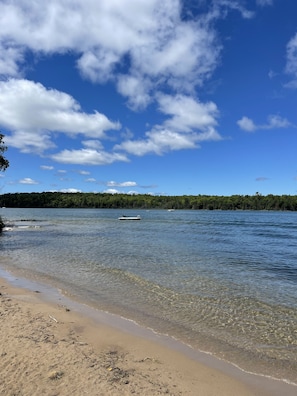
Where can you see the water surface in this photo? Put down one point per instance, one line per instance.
(220, 281)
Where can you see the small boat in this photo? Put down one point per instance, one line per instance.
(7, 229)
(129, 217)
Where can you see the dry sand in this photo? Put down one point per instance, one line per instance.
(47, 349)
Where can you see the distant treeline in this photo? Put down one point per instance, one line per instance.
(146, 201)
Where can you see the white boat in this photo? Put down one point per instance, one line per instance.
(129, 217)
(7, 229)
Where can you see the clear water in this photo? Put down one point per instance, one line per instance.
(222, 282)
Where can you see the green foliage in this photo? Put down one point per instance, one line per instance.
(4, 163)
(3, 166)
(142, 201)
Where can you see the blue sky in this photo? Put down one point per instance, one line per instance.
(179, 97)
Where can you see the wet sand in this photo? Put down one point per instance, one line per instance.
(47, 348)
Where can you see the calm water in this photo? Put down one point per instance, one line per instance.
(222, 282)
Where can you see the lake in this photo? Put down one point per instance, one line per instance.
(224, 282)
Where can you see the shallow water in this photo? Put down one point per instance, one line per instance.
(223, 282)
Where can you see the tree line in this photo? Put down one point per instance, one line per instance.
(146, 201)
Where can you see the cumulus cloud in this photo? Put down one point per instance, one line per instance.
(70, 190)
(46, 167)
(137, 89)
(246, 124)
(10, 58)
(112, 191)
(190, 122)
(273, 122)
(150, 36)
(188, 114)
(115, 191)
(32, 112)
(93, 144)
(144, 48)
(28, 180)
(159, 141)
(88, 157)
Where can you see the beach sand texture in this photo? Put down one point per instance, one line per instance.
(46, 349)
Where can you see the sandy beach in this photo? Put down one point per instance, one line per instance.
(48, 349)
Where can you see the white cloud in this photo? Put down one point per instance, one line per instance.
(70, 190)
(158, 141)
(246, 124)
(112, 191)
(132, 192)
(187, 114)
(148, 36)
(98, 65)
(291, 66)
(115, 191)
(182, 54)
(93, 144)
(32, 112)
(136, 88)
(273, 122)
(191, 122)
(46, 167)
(28, 180)
(88, 156)
(122, 184)
(82, 172)
(220, 8)
(10, 58)
(143, 47)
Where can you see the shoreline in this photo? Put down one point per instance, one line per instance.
(153, 363)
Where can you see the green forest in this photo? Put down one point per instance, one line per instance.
(146, 201)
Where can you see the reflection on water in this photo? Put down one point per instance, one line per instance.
(220, 281)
